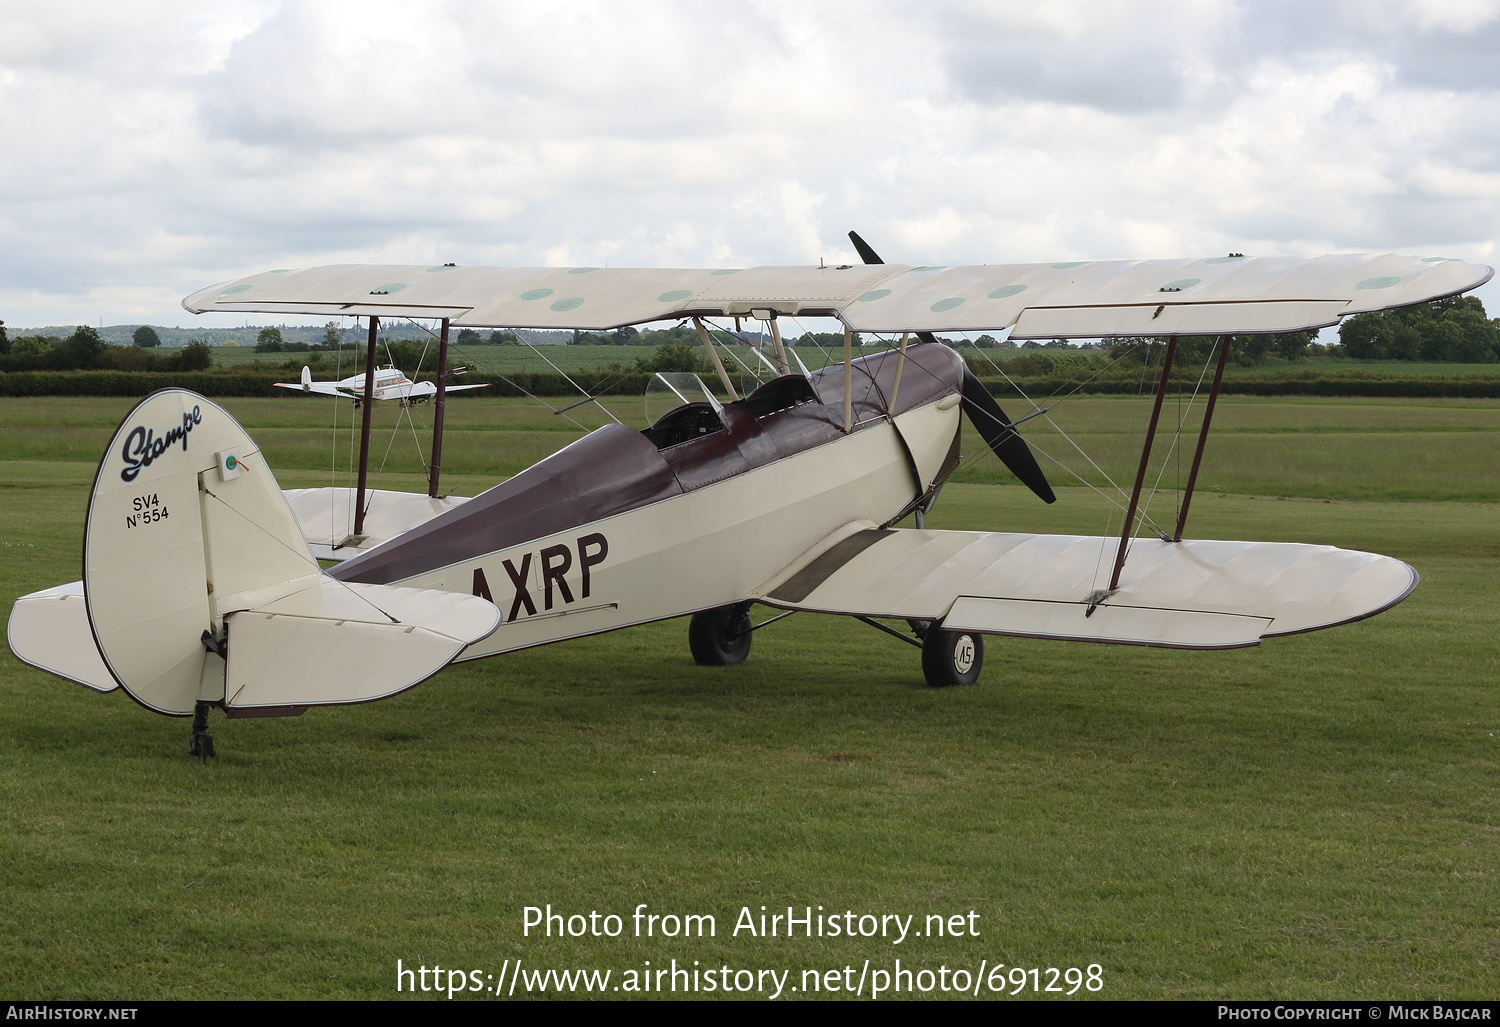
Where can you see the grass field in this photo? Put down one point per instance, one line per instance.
(1312, 818)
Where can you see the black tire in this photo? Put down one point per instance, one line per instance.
(720, 637)
(952, 657)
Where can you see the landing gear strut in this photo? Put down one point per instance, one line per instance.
(202, 744)
(720, 637)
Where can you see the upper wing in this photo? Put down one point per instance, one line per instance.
(1067, 299)
(1194, 595)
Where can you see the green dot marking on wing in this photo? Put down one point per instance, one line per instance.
(581, 270)
(1434, 260)
(243, 287)
(1069, 263)
(440, 270)
(727, 271)
(1005, 290)
(674, 296)
(571, 303)
(874, 294)
(536, 294)
(947, 304)
(1384, 282)
(1180, 284)
(389, 287)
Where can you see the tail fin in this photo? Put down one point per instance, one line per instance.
(189, 538)
(306, 378)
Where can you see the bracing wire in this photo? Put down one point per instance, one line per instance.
(457, 481)
(745, 369)
(1128, 530)
(1176, 437)
(571, 382)
(1031, 441)
(301, 555)
(333, 442)
(489, 370)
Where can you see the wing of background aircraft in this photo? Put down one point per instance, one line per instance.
(1067, 299)
(425, 390)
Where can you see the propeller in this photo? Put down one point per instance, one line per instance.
(997, 430)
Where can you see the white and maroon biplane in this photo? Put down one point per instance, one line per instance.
(201, 586)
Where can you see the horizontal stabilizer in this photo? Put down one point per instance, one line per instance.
(1192, 594)
(49, 630)
(320, 388)
(344, 643)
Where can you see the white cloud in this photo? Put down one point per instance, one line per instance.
(154, 148)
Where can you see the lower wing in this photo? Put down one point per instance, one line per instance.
(1190, 594)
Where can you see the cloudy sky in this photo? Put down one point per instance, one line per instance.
(156, 147)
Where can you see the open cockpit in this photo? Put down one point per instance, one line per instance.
(699, 413)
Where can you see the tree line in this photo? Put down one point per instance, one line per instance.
(335, 339)
(83, 350)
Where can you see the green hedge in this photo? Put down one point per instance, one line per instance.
(1350, 382)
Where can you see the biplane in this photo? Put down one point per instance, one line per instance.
(200, 587)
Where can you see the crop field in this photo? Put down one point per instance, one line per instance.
(1316, 817)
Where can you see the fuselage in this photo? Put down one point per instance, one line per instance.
(390, 383)
(624, 527)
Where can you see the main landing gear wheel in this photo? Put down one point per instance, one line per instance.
(951, 657)
(720, 637)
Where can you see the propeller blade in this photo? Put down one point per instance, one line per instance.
(866, 254)
(985, 414)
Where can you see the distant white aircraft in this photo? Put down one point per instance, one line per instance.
(390, 383)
